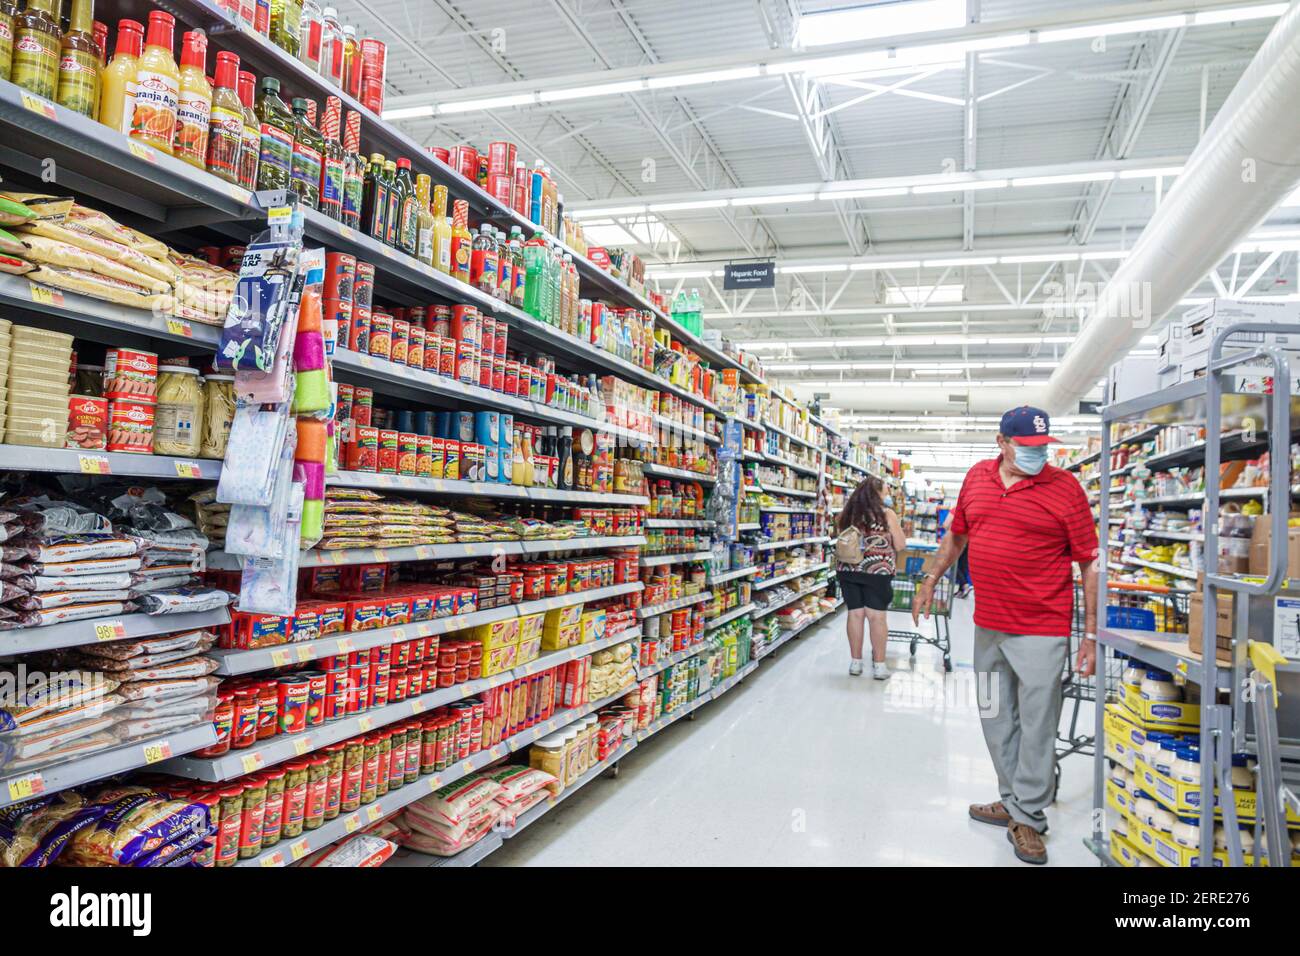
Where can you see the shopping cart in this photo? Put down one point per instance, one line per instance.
(905, 585)
(1134, 606)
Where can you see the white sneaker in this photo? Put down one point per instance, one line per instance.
(855, 668)
(880, 670)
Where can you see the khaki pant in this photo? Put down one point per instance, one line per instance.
(1020, 711)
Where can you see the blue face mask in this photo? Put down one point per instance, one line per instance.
(1030, 459)
(889, 501)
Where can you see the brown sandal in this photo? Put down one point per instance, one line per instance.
(1027, 843)
(994, 814)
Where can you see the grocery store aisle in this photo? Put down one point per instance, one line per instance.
(804, 765)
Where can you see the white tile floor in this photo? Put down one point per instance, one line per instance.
(804, 765)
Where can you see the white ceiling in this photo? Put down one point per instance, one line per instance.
(1138, 98)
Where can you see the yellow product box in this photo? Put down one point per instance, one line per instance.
(498, 634)
(1184, 799)
(530, 627)
(1168, 715)
(1123, 737)
(1119, 798)
(559, 639)
(529, 650)
(592, 626)
(498, 659)
(1166, 851)
(1123, 852)
(559, 617)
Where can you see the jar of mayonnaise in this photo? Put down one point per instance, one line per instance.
(1152, 813)
(1151, 746)
(1166, 755)
(1133, 673)
(1187, 832)
(1242, 777)
(1159, 685)
(1247, 836)
(1187, 763)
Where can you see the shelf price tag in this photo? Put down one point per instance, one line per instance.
(417, 706)
(155, 752)
(38, 105)
(352, 822)
(275, 859)
(298, 849)
(364, 724)
(188, 469)
(279, 215)
(374, 812)
(304, 654)
(141, 151)
(45, 296)
(94, 465)
(109, 630)
(180, 327)
(251, 762)
(26, 786)
(279, 658)
(345, 645)
(301, 746)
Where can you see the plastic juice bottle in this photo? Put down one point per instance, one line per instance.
(36, 47)
(408, 209)
(157, 85)
(536, 180)
(308, 147)
(250, 147)
(505, 268)
(424, 219)
(226, 124)
(518, 271)
(696, 306)
(462, 240)
(8, 13)
(351, 61)
(117, 84)
(331, 47)
(194, 104)
(374, 201)
(276, 128)
(286, 19)
(79, 61)
(441, 231)
(532, 276)
(333, 162)
(354, 170)
(393, 222)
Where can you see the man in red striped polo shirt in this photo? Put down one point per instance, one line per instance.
(1024, 522)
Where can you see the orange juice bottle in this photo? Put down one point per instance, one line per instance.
(194, 102)
(117, 83)
(157, 85)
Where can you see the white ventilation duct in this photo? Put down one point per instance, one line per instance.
(1248, 160)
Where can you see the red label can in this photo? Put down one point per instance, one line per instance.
(415, 346)
(388, 445)
(465, 324)
(432, 352)
(363, 451)
(336, 692)
(381, 335)
(316, 684)
(293, 693)
(408, 452)
(340, 275)
(401, 341)
(424, 456)
(447, 362)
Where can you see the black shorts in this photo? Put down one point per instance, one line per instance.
(874, 591)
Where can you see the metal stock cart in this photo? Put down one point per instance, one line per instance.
(905, 585)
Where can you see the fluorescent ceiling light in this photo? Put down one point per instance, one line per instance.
(865, 193)
(1063, 179)
(689, 204)
(408, 112)
(909, 294)
(583, 92)
(883, 20)
(708, 76)
(898, 264)
(779, 200)
(829, 267)
(1150, 173)
(969, 185)
(1233, 14)
(1103, 254)
(1092, 31)
(487, 103)
(605, 212)
(947, 263)
(684, 274)
(1046, 257)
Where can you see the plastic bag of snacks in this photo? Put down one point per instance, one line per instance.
(362, 850)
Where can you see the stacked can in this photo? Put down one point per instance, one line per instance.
(336, 303)
(363, 292)
(374, 57)
(131, 388)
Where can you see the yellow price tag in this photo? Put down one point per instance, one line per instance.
(38, 105)
(180, 327)
(188, 469)
(1181, 667)
(43, 296)
(351, 823)
(94, 465)
(279, 215)
(251, 762)
(141, 151)
(374, 812)
(298, 849)
(399, 634)
(304, 654)
(364, 724)
(26, 787)
(381, 555)
(301, 746)
(345, 645)
(153, 753)
(109, 630)
(469, 766)
(279, 658)
(495, 752)
(434, 783)
(275, 859)
(346, 233)
(418, 706)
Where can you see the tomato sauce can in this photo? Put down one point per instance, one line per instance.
(488, 335)
(293, 694)
(363, 405)
(316, 687)
(363, 451)
(432, 352)
(336, 692)
(268, 710)
(447, 357)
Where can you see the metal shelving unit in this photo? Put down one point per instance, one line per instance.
(678, 523)
(772, 608)
(674, 605)
(450, 486)
(773, 582)
(28, 640)
(663, 471)
(437, 552)
(1201, 402)
(724, 576)
(797, 543)
(728, 617)
(656, 560)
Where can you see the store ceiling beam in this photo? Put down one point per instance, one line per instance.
(1063, 26)
(1247, 162)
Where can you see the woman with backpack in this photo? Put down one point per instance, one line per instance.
(870, 537)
